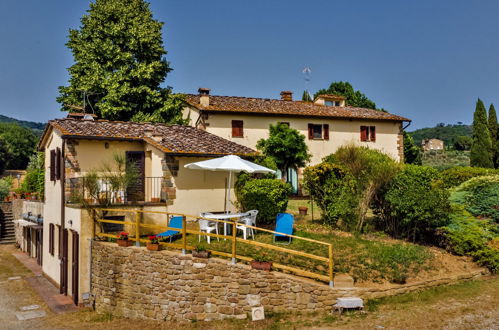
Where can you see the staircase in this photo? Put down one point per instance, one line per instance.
(7, 233)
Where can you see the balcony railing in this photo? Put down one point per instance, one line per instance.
(103, 191)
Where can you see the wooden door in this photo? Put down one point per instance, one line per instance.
(74, 266)
(39, 246)
(63, 289)
(136, 191)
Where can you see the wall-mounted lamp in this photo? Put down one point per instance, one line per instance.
(106, 145)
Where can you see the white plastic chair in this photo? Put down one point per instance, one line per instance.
(207, 226)
(249, 219)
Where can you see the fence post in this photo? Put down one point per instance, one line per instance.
(233, 242)
(331, 265)
(184, 235)
(137, 228)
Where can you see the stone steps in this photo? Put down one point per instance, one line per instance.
(7, 233)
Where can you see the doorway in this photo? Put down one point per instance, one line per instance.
(75, 259)
(136, 191)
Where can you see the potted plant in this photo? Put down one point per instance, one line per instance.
(153, 244)
(123, 239)
(155, 200)
(303, 210)
(261, 261)
(200, 251)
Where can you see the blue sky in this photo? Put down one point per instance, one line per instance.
(426, 60)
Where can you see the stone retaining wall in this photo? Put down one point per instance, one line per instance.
(165, 285)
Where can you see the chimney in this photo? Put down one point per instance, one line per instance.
(204, 96)
(287, 95)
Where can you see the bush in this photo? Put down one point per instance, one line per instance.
(268, 196)
(34, 181)
(454, 176)
(466, 235)
(5, 185)
(479, 196)
(333, 189)
(413, 205)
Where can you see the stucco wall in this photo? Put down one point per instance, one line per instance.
(341, 132)
(164, 285)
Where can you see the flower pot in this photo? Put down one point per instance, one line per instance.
(261, 265)
(152, 247)
(303, 210)
(201, 254)
(155, 200)
(124, 242)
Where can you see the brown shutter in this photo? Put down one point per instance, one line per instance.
(52, 165)
(51, 239)
(310, 131)
(58, 164)
(325, 133)
(237, 128)
(373, 133)
(363, 133)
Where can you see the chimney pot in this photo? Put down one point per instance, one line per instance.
(287, 95)
(204, 96)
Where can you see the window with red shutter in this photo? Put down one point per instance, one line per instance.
(52, 165)
(326, 131)
(364, 132)
(372, 133)
(310, 131)
(51, 239)
(237, 128)
(58, 164)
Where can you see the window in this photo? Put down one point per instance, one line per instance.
(51, 238)
(58, 158)
(52, 165)
(368, 133)
(318, 132)
(332, 103)
(237, 128)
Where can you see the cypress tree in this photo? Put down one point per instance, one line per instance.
(481, 155)
(306, 96)
(494, 132)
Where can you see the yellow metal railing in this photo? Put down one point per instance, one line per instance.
(137, 224)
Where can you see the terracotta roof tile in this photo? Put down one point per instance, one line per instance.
(169, 138)
(236, 104)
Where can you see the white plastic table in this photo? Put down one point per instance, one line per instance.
(225, 216)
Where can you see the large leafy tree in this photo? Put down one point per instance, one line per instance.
(494, 135)
(286, 146)
(481, 150)
(119, 64)
(353, 98)
(20, 143)
(4, 156)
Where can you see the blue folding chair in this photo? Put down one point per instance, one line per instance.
(175, 222)
(284, 224)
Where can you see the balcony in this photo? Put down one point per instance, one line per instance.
(106, 191)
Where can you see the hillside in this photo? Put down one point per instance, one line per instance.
(37, 128)
(447, 133)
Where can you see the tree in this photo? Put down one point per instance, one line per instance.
(463, 143)
(480, 155)
(119, 64)
(306, 96)
(20, 143)
(353, 98)
(412, 153)
(494, 132)
(286, 146)
(4, 156)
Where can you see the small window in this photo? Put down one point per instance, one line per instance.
(318, 132)
(329, 103)
(51, 238)
(337, 103)
(237, 128)
(368, 133)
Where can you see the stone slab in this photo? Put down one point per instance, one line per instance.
(343, 281)
(23, 316)
(14, 278)
(29, 307)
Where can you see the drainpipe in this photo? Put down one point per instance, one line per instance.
(63, 211)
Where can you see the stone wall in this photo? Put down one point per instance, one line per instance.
(165, 285)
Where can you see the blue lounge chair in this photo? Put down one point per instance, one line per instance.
(284, 224)
(175, 222)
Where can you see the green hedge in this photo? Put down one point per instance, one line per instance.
(268, 196)
(454, 176)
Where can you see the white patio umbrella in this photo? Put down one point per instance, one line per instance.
(230, 163)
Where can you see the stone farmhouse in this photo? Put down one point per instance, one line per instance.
(432, 144)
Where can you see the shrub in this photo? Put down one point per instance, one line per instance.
(334, 191)
(479, 196)
(454, 176)
(5, 185)
(413, 205)
(268, 196)
(34, 181)
(466, 235)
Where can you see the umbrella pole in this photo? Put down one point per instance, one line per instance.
(228, 193)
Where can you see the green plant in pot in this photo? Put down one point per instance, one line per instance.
(200, 251)
(153, 244)
(261, 261)
(123, 239)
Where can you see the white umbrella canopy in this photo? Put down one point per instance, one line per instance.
(230, 163)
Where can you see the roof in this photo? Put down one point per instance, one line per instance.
(237, 104)
(331, 96)
(174, 139)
